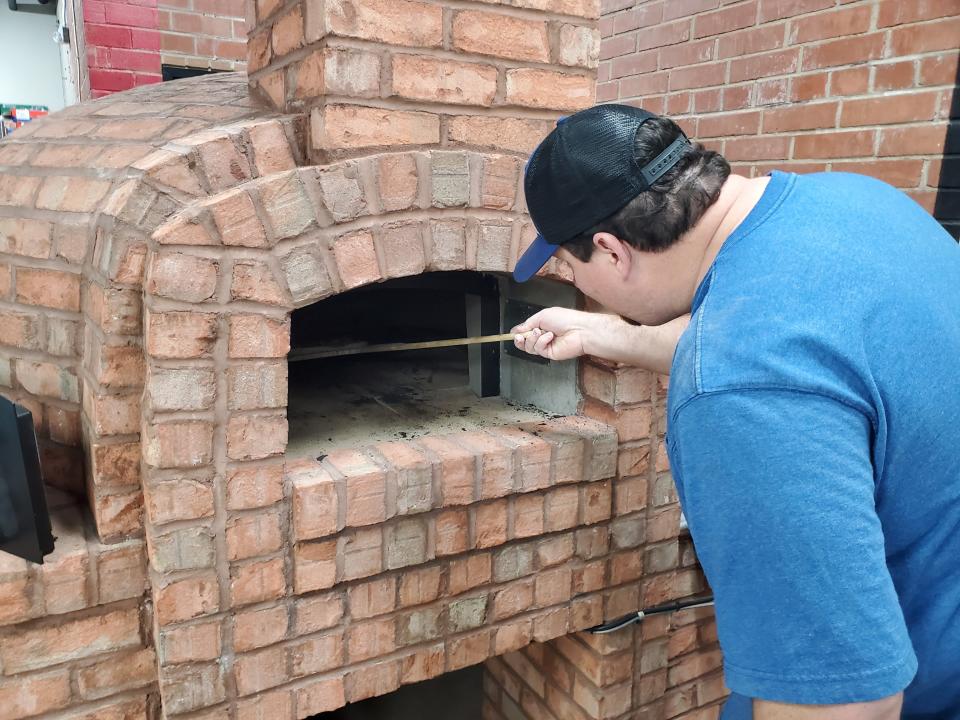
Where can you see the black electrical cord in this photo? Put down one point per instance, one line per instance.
(626, 620)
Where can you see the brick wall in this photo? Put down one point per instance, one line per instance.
(203, 33)
(376, 73)
(123, 44)
(802, 85)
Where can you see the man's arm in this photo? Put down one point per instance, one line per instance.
(886, 709)
(561, 334)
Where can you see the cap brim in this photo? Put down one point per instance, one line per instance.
(533, 258)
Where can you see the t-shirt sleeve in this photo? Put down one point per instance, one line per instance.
(778, 490)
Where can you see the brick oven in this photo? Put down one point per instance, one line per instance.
(263, 538)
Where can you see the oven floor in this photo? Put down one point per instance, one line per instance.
(358, 400)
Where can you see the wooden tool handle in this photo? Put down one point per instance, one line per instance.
(317, 353)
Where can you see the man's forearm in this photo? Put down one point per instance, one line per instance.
(886, 709)
(645, 346)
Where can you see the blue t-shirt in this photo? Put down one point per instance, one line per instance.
(814, 436)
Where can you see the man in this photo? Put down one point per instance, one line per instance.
(814, 404)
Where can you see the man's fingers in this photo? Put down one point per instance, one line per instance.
(543, 342)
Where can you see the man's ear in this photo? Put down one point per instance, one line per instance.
(615, 251)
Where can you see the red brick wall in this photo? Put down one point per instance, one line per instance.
(803, 85)
(123, 44)
(203, 33)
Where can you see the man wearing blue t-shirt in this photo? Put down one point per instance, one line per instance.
(813, 422)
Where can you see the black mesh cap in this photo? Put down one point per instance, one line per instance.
(583, 172)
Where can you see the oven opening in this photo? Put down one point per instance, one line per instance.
(356, 399)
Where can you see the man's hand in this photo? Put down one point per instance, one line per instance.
(886, 709)
(561, 334)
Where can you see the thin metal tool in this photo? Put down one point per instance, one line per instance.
(634, 617)
(317, 353)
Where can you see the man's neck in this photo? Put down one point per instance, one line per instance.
(738, 196)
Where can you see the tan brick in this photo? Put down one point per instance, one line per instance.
(26, 237)
(256, 336)
(342, 191)
(121, 571)
(48, 380)
(224, 165)
(187, 388)
(181, 499)
(514, 134)
(190, 643)
(286, 205)
(255, 280)
(261, 670)
(181, 549)
(187, 443)
(439, 80)
(266, 705)
(287, 33)
(254, 437)
(236, 218)
(35, 694)
(315, 566)
(488, 33)
(420, 586)
(370, 639)
(395, 22)
(336, 127)
(72, 194)
(257, 386)
(318, 613)
(260, 627)
(180, 334)
(252, 535)
(316, 655)
(257, 582)
(351, 72)
(315, 501)
(257, 486)
(490, 522)
(468, 650)
(39, 647)
(48, 288)
(321, 696)
(398, 182)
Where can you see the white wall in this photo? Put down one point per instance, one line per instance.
(30, 68)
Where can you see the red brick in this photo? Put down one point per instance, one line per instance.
(495, 463)
(362, 553)
(898, 12)
(183, 277)
(744, 123)
(663, 35)
(852, 81)
(747, 42)
(562, 506)
(809, 87)
(737, 97)
(800, 117)
(469, 572)
(722, 21)
(899, 173)
(697, 76)
(759, 148)
(422, 665)
(778, 9)
(888, 110)
(849, 21)
(258, 671)
(254, 280)
(681, 8)
(845, 51)
(287, 33)
(894, 76)
(920, 140)
(938, 35)
(617, 46)
(687, 54)
(420, 586)
(266, 705)
(468, 650)
(372, 598)
(488, 33)
(782, 62)
(636, 64)
(356, 259)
